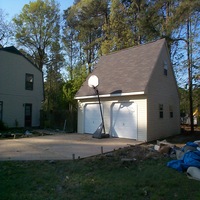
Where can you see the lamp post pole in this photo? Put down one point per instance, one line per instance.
(97, 92)
(93, 82)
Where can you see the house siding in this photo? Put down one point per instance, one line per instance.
(107, 103)
(162, 89)
(13, 68)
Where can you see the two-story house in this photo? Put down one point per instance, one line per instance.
(21, 89)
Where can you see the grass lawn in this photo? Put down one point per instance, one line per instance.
(94, 178)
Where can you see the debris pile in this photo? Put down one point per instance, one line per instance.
(165, 147)
(134, 154)
(187, 160)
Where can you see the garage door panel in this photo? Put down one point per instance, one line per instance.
(124, 120)
(92, 118)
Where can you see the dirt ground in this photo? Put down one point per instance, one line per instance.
(185, 136)
(147, 150)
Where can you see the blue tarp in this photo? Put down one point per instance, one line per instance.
(192, 144)
(190, 159)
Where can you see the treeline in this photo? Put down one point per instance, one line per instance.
(72, 42)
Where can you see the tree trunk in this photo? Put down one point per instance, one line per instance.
(189, 53)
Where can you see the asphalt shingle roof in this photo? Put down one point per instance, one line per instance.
(124, 71)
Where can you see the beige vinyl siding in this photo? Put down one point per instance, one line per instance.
(107, 112)
(13, 68)
(80, 119)
(142, 119)
(12, 112)
(162, 90)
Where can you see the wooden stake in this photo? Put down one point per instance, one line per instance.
(101, 150)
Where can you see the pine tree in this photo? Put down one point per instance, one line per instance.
(86, 17)
(118, 30)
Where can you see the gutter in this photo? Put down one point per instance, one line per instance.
(111, 95)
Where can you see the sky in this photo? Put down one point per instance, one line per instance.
(14, 7)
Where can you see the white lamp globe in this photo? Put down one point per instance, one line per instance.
(93, 81)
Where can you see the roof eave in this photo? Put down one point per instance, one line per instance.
(111, 95)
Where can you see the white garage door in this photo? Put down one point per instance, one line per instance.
(92, 118)
(124, 120)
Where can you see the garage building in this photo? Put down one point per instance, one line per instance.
(138, 93)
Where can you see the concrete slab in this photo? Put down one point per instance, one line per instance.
(59, 147)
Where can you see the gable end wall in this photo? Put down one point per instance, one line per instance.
(13, 68)
(162, 90)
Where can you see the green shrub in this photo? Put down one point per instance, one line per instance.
(2, 126)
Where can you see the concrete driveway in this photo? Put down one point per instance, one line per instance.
(59, 147)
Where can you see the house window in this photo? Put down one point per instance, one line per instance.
(161, 111)
(1, 110)
(165, 65)
(171, 113)
(29, 82)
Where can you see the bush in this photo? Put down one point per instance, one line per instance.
(2, 126)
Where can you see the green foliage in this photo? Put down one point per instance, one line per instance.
(37, 27)
(184, 100)
(119, 33)
(85, 20)
(72, 86)
(53, 91)
(54, 81)
(184, 11)
(3, 127)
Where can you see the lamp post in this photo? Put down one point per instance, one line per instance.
(93, 82)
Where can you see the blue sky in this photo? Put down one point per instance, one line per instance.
(13, 7)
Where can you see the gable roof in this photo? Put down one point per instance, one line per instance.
(13, 50)
(125, 71)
